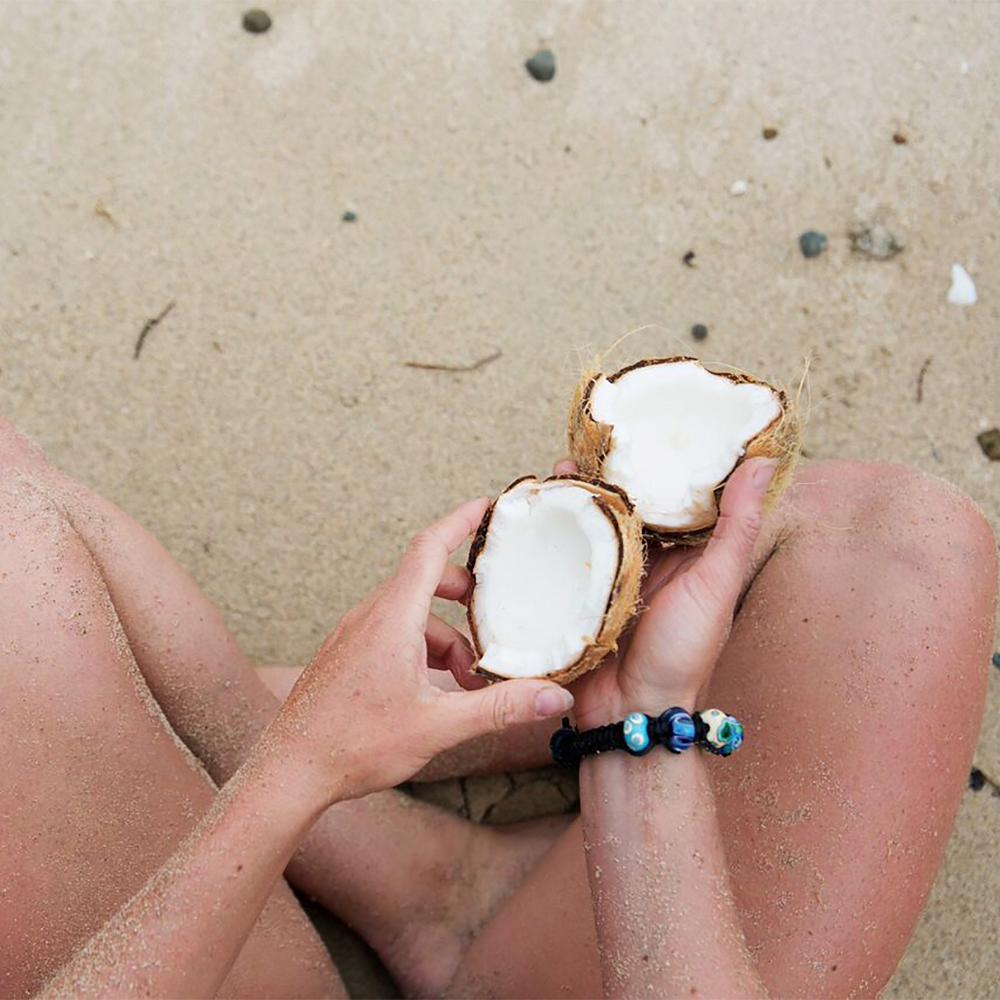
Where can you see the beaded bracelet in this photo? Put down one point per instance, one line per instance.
(637, 734)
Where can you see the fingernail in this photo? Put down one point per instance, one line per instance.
(552, 701)
(763, 474)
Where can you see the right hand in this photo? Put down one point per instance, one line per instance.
(689, 597)
(364, 715)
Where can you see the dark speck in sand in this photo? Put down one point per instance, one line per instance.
(812, 243)
(976, 779)
(899, 138)
(996, 660)
(542, 65)
(688, 259)
(699, 331)
(349, 216)
(769, 133)
(989, 441)
(256, 21)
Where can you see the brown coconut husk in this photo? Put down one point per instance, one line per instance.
(590, 442)
(623, 600)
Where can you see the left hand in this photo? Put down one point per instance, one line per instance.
(364, 715)
(690, 596)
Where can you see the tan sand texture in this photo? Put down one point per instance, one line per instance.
(269, 431)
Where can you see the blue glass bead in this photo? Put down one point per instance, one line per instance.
(681, 731)
(635, 728)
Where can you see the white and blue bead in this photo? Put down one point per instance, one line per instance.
(724, 734)
(635, 729)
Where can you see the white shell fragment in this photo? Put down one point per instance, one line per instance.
(963, 288)
(738, 187)
(543, 578)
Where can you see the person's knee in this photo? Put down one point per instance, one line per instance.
(901, 511)
(34, 520)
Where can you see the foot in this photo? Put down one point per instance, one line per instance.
(459, 896)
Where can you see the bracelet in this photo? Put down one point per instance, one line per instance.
(637, 734)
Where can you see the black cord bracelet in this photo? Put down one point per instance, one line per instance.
(675, 729)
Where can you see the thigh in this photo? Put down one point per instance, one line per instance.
(97, 789)
(857, 663)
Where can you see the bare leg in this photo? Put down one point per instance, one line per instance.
(97, 791)
(416, 882)
(858, 666)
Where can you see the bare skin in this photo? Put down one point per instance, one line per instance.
(857, 663)
(182, 932)
(129, 795)
(816, 840)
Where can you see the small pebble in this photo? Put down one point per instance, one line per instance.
(812, 243)
(542, 65)
(688, 259)
(877, 241)
(738, 187)
(996, 660)
(989, 441)
(256, 21)
(963, 288)
(699, 331)
(899, 138)
(769, 133)
(349, 216)
(976, 779)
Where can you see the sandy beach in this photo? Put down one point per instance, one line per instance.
(271, 429)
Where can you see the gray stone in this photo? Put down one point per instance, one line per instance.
(256, 21)
(812, 243)
(542, 65)
(989, 441)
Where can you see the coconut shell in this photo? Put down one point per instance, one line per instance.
(623, 600)
(590, 442)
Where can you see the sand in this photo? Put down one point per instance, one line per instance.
(269, 431)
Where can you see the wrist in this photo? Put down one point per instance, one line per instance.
(293, 777)
(590, 713)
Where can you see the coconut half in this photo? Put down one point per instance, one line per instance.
(669, 432)
(556, 566)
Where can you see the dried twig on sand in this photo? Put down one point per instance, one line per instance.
(475, 366)
(149, 326)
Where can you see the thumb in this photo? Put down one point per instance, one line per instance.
(508, 703)
(723, 567)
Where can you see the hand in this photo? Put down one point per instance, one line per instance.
(364, 715)
(690, 596)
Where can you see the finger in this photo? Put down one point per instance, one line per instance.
(664, 566)
(455, 584)
(565, 467)
(721, 571)
(500, 706)
(447, 648)
(423, 565)
(468, 679)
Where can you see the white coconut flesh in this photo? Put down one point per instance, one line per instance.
(678, 430)
(543, 578)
